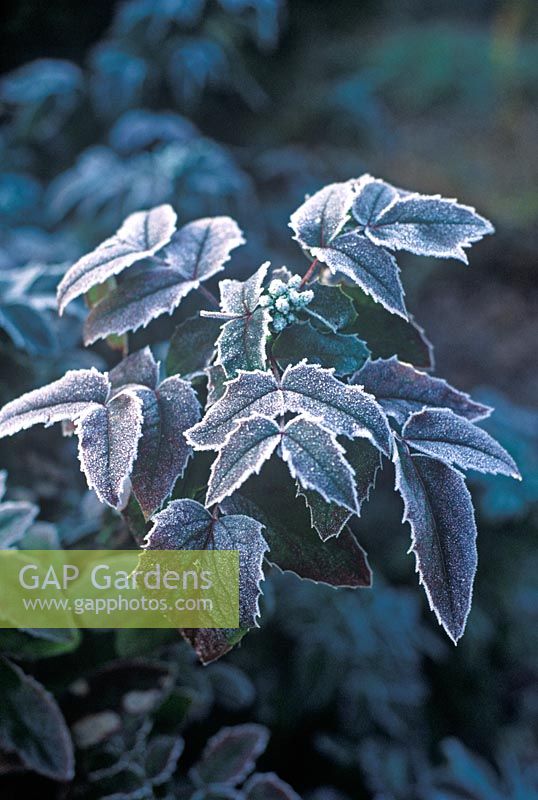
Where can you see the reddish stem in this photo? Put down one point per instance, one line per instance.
(309, 272)
(209, 296)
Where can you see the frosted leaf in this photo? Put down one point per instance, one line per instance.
(192, 346)
(315, 458)
(245, 451)
(402, 390)
(428, 226)
(328, 519)
(373, 268)
(212, 643)
(15, 519)
(108, 441)
(373, 196)
(268, 786)
(323, 215)
(163, 452)
(230, 755)
(63, 399)
(241, 344)
(141, 235)
(216, 384)
(201, 248)
(248, 394)
(438, 506)
(345, 352)
(139, 368)
(455, 440)
(187, 525)
(331, 307)
(342, 408)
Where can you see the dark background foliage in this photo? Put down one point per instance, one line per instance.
(360, 691)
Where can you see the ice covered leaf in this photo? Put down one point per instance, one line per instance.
(250, 393)
(187, 525)
(328, 519)
(317, 460)
(245, 451)
(402, 390)
(373, 196)
(388, 334)
(212, 643)
(161, 757)
(230, 755)
(63, 399)
(293, 545)
(139, 368)
(239, 298)
(201, 248)
(341, 408)
(455, 440)
(428, 226)
(344, 352)
(373, 268)
(163, 452)
(322, 216)
(439, 509)
(141, 235)
(32, 727)
(15, 519)
(268, 786)
(108, 441)
(192, 346)
(331, 307)
(216, 384)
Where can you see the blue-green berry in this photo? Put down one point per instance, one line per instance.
(277, 288)
(279, 322)
(294, 282)
(282, 304)
(265, 301)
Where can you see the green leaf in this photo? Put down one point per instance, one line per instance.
(192, 346)
(32, 725)
(32, 645)
(331, 307)
(344, 352)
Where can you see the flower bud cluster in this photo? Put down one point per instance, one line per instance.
(283, 300)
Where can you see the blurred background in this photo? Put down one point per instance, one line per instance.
(242, 107)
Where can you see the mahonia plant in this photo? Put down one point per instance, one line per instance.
(324, 376)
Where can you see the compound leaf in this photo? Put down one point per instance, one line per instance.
(108, 441)
(322, 216)
(64, 399)
(138, 368)
(230, 755)
(373, 196)
(439, 509)
(163, 452)
(402, 390)
(200, 249)
(345, 352)
(140, 236)
(428, 226)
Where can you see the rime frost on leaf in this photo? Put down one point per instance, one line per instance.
(230, 755)
(373, 196)
(428, 226)
(108, 441)
(216, 384)
(197, 251)
(64, 399)
(345, 352)
(402, 390)
(209, 644)
(373, 268)
(138, 368)
(163, 452)
(15, 519)
(247, 448)
(187, 525)
(331, 307)
(328, 519)
(192, 346)
(141, 235)
(241, 344)
(438, 506)
(322, 216)
(316, 459)
(268, 786)
(455, 440)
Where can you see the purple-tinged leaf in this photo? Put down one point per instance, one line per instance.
(192, 346)
(373, 268)
(328, 519)
(32, 726)
(108, 442)
(373, 196)
(15, 519)
(428, 226)
(251, 443)
(139, 368)
(316, 459)
(402, 390)
(163, 452)
(230, 756)
(455, 440)
(438, 506)
(268, 786)
(209, 644)
(64, 399)
(187, 525)
(201, 248)
(344, 352)
(141, 235)
(343, 409)
(322, 216)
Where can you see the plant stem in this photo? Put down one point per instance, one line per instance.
(308, 274)
(209, 296)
